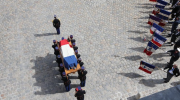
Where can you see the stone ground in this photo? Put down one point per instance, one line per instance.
(109, 34)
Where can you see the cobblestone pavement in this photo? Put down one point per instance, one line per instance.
(109, 35)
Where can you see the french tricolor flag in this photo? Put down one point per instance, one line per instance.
(150, 48)
(148, 68)
(158, 40)
(155, 11)
(67, 52)
(153, 19)
(156, 28)
(163, 14)
(162, 2)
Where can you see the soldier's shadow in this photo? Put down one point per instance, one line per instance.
(151, 82)
(45, 76)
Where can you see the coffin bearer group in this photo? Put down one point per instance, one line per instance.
(69, 61)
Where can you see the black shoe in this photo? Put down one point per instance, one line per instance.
(164, 78)
(165, 81)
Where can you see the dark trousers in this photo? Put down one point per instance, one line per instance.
(169, 76)
(174, 26)
(58, 30)
(173, 37)
(172, 60)
(83, 83)
(175, 47)
(170, 1)
(67, 87)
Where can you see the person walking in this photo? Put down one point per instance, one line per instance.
(67, 82)
(174, 71)
(79, 93)
(57, 24)
(82, 76)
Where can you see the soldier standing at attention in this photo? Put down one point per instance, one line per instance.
(57, 24)
(79, 93)
(82, 76)
(67, 82)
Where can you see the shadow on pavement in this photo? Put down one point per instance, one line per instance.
(175, 83)
(132, 98)
(131, 75)
(45, 34)
(139, 32)
(45, 76)
(149, 12)
(139, 49)
(138, 39)
(159, 65)
(159, 56)
(133, 58)
(151, 82)
(146, 4)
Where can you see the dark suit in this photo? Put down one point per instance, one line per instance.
(169, 75)
(80, 94)
(177, 44)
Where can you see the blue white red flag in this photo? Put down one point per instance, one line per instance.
(159, 6)
(151, 47)
(162, 2)
(148, 68)
(155, 11)
(153, 19)
(156, 28)
(158, 39)
(68, 54)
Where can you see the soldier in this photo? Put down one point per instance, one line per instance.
(79, 93)
(57, 24)
(79, 60)
(174, 26)
(56, 51)
(174, 36)
(67, 81)
(171, 72)
(58, 60)
(174, 57)
(177, 44)
(54, 45)
(61, 69)
(82, 76)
